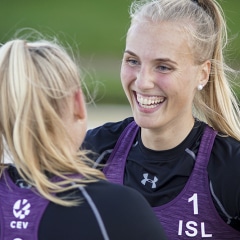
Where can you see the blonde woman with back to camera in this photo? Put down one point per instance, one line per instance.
(49, 191)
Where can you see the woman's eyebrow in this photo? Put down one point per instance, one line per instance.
(157, 59)
(165, 60)
(130, 52)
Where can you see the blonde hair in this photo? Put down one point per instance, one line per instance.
(36, 79)
(204, 21)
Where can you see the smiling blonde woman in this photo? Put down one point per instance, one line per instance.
(181, 149)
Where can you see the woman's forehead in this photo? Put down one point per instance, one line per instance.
(165, 38)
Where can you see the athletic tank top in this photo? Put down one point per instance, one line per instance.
(192, 214)
(21, 210)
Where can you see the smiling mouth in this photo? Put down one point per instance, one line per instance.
(149, 101)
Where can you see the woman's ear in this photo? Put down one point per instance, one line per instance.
(205, 72)
(80, 111)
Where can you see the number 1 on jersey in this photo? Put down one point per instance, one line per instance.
(194, 199)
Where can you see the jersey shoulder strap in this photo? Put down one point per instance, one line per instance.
(114, 169)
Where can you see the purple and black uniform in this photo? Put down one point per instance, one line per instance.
(184, 185)
(25, 215)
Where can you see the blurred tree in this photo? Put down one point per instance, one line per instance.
(96, 29)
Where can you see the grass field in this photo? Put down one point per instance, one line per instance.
(95, 29)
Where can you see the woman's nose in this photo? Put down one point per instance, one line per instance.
(144, 79)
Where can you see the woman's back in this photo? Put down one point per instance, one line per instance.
(51, 192)
(107, 211)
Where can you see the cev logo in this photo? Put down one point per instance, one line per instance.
(21, 208)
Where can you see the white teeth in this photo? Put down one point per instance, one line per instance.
(149, 102)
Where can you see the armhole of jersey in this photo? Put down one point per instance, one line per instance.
(96, 212)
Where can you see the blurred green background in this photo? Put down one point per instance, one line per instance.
(95, 29)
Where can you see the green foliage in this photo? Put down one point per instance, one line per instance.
(95, 29)
(92, 26)
(231, 10)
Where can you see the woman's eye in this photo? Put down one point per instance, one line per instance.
(163, 68)
(132, 62)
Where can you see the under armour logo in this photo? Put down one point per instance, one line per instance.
(146, 179)
(21, 208)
